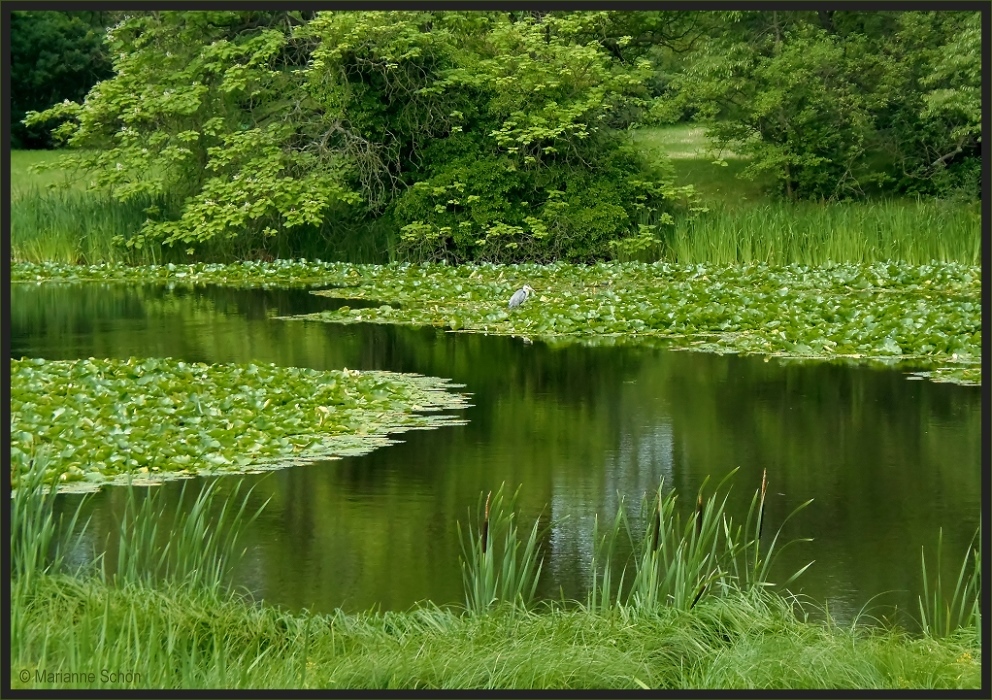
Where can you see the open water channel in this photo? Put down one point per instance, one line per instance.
(887, 460)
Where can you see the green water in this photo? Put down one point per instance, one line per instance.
(887, 460)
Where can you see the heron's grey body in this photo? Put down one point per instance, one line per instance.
(520, 296)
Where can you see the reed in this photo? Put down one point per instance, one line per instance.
(811, 233)
(677, 564)
(199, 547)
(34, 547)
(941, 616)
(158, 624)
(498, 566)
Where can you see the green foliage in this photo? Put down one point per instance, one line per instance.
(34, 546)
(929, 315)
(189, 631)
(496, 566)
(54, 56)
(150, 420)
(814, 233)
(941, 616)
(678, 563)
(195, 545)
(838, 104)
(258, 124)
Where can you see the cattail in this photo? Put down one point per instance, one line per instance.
(485, 524)
(698, 596)
(657, 525)
(699, 516)
(761, 506)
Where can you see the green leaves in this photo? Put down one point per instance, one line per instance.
(837, 107)
(262, 124)
(103, 420)
(926, 315)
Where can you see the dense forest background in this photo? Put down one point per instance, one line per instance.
(494, 136)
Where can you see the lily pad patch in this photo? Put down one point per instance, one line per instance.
(110, 421)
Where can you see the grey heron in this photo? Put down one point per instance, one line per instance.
(520, 296)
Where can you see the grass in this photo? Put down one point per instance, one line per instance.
(940, 616)
(55, 218)
(59, 216)
(144, 624)
(746, 223)
(173, 637)
(496, 566)
(679, 564)
(809, 233)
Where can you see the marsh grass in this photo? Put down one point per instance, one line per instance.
(809, 233)
(88, 227)
(676, 562)
(175, 637)
(35, 549)
(158, 623)
(746, 222)
(76, 227)
(940, 616)
(197, 550)
(200, 547)
(497, 567)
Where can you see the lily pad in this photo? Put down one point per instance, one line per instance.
(191, 418)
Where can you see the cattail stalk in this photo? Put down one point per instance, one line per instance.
(657, 525)
(485, 524)
(699, 516)
(761, 506)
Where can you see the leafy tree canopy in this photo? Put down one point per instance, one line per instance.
(830, 102)
(486, 136)
(53, 56)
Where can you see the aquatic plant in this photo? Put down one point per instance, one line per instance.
(941, 616)
(151, 419)
(679, 563)
(496, 566)
(927, 317)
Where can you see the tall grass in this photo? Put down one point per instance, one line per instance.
(35, 548)
(941, 616)
(76, 227)
(808, 233)
(87, 227)
(677, 563)
(496, 566)
(161, 619)
(198, 549)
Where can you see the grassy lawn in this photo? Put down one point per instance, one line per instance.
(24, 181)
(693, 154)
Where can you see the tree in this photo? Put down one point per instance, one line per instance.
(483, 135)
(54, 56)
(831, 102)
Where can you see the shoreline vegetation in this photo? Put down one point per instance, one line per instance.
(693, 608)
(823, 205)
(150, 420)
(926, 318)
(737, 222)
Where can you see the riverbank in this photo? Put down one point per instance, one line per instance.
(697, 611)
(180, 638)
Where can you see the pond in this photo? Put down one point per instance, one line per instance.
(887, 460)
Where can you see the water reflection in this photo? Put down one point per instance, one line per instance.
(887, 461)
